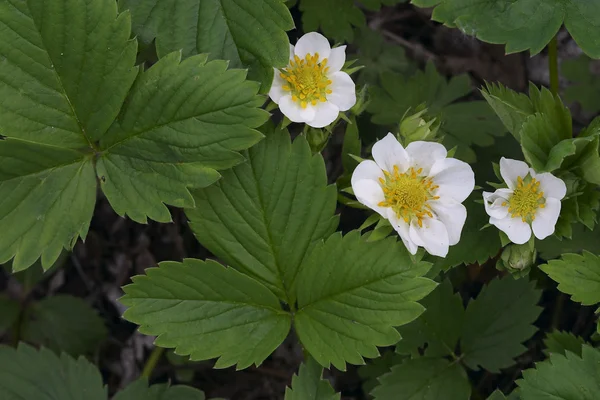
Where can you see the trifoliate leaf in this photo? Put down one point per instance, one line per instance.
(567, 377)
(379, 56)
(9, 312)
(424, 379)
(139, 390)
(476, 245)
(582, 239)
(54, 76)
(335, 18)
(561, 342)
(309, 384)
(182, 122)
(577, 275)
(48, 195)
(26, 373)
(497, 322)
(377, 367)
(440, 326)
(265, 215)
(585, 87)
(248, 33)
(206, 310)
(351, 295)
(64, 323)
(520, 24)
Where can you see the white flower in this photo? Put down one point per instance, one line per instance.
(531, 201)
(418, 190)
(312, 89)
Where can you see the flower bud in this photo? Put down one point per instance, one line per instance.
(418, 127)
(517, 259)
(317, 139)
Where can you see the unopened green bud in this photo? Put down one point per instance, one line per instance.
(418, 127)
(317, 139)
(517, 259)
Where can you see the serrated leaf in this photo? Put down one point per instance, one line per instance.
(52, 79)
(9, 312)
(309, 384)
(424, 379)
(26, 373)
(585, 88)
(47, 199)
(206, 310)
(511, 107)
(476, 245)
(139, 390)
(335, 18)
(182, 122)
(560, 342)
(520, 24)
(248, 33)
(497, 395)
(577, 275)
(265, 215)
(563, 377)
(440, 326)
(377, 367)
(497, 322)
(351, 295)
(64, 323)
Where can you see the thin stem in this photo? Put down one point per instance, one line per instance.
(553, 64)
(152, 361)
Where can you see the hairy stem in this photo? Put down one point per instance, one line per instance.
(152, 361)
(553, 64)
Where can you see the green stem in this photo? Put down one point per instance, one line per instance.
(152, 361)
(553, 64)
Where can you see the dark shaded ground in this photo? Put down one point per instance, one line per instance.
(117, 248)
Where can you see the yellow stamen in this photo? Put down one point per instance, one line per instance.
(526, 199)
(306, 79)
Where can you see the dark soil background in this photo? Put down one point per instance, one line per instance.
(117, 248)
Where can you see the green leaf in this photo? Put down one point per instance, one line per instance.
(377, 367)
(424, 379)
(207, 310)
(265, 215)
(351, 295)
(335, 18)
(47, 199)
(511, 107)
(351, 146)
(9, 312)
(309, 384)
(497, 395)
(139, 390)
(497, 322)
(53, 77)
(520, 24)
(64, 323)
(582, 239)
(566, 377)
(585, 87)
(561, 342)
(248, 33)
(440, 326)
(476, 245)
(182, 122)
(577, 275)
(26, 373)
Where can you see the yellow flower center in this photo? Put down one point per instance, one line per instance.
(307, 80)
(407, 194)
(526, 199)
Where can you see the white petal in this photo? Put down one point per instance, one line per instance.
(312, 43)
(276, 92)
(367, 170)
(403, 231)
(545, 219)
(370, 194)
(292, 53)
(343, 91)
(433, 236)
(425, 154)
(552, 186)
(325, 114)
(336, 59)
(388, 152)
(511, 170)
(453, 215)
(493, 202)
(294, 112)
(517, 231)
(455, 179)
